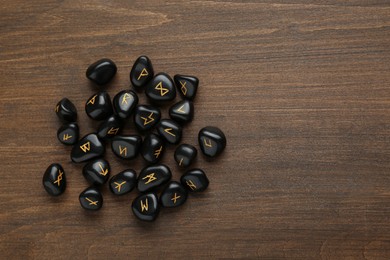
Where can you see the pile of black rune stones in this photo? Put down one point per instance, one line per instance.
(160, 89)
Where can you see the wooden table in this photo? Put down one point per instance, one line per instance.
(301, 90)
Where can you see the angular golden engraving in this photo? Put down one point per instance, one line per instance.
(174, 198)
(181, 109)
(143, 73)
(207, 143)
(191, 184)
(122, 150)
(66, 137)
(146, 121)
(163, 91)
(86, 147)
(104, 171)
(57, 107)
(144, 206)
(157, 152)
(167, 130)
(181, 161)
(150, 178)
(183, 87)
(59, 178)
(126, 97)
(113, 131)
(91, 202)
(119, 185)
(92, 100)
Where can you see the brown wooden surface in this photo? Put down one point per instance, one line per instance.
(301, 89)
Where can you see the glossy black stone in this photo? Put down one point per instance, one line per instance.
(146, 117)
(87, 148)
(66, 111)
(101, 71)
(141, 72)
(125, 102)
(170, 131)
(98, 106)
(68, 134)
(126, 147)
(182, 112)
(152, 148)
(195, 180)
(97, 171)
(91, 199)
(123, 182)
(153, 176)
(54, 179)
(185, 154)
(146, 207)
(161, 89)
(110, 127)
(173, 195)
(212, 141)
(187, 86)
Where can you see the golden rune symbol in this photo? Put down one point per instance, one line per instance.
(126, 97)
(57, 107)
(119, 185)
(181, 109)
(86, 147)
(191, 184)
(91, 202)
(104, 171)
(92, 100)
(181, 161)
(208, 144)
(66, 137)
(167, 130)
(157, 152)
(163, 91)
(150, 178)
(174, 198)
(146, 121)
(59, 178)
(144, 206)
(113, 131)
(123, 150)
(143, 73)
(183, 87)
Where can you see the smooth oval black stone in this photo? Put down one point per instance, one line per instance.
(110, 127)
(212, 141)
(173, 195)
(97, 171)
(153, 176)
(187, 86)
(161, 89)
(146, 207)
(170, 131)
(91, 199)
(141, 72)
(126, 147)
(195, 180)
(98, 106)
(54, 179)
(68, 134)
(146, 117)
(66, 111)
(87, 148)
(185, 154)
(124, 182)
(152, 148)
(125, 102)
(182, 112)
(101, 71)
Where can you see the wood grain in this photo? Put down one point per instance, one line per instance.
(301, 89)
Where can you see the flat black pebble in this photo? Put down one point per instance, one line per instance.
(123, 182)
(146, 207)
(170, 131)
(126, 147)
(182, 112)
(98, 106)
(153, 176)
(97, 171)
(101, 71)
(173, 195)
(87, 148)
(54, 180)
(187, 86)
(212, 141)
(185, 154)
(110, 127)
(91, 199)
(125, 102)
(68, 134)
(195, 180)
(152, 148)
(146, 117)
(141, 72)
(66, 111)
(161, 89)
